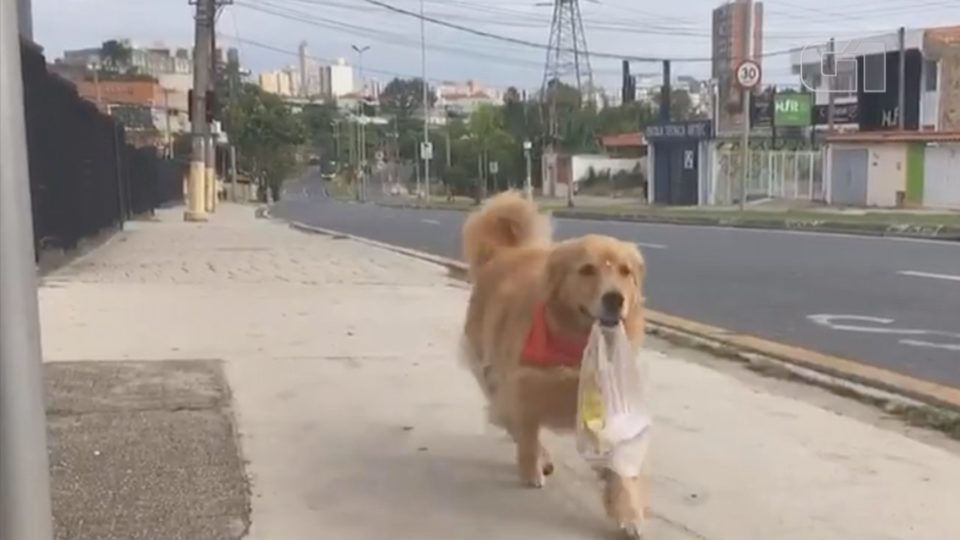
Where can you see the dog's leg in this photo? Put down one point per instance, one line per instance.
(529, 452)
(625, 500)
(544, 461)
(546, 464)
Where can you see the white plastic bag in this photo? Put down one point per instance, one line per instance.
(613, 421)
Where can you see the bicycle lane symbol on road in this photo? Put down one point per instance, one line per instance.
(914, 337)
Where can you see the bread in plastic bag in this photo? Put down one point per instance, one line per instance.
(613, 420)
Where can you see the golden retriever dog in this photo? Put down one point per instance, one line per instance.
(532, 307)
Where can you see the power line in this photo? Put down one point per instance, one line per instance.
(526, 43)
(374, 34)
(388, 37)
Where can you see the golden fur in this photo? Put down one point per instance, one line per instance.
(514, 267)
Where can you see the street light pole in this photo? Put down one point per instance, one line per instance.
(361, 127)
(426, 104)
(25, 508)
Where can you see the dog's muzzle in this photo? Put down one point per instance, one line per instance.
(611, 304)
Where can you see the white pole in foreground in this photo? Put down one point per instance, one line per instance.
(25, 512)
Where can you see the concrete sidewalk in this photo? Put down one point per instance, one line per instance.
(354, 420)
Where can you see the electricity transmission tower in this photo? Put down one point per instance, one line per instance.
(567, 64)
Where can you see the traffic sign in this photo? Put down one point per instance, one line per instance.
(494, 167)
(426, 151)
(748, 74)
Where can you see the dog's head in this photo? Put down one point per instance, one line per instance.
(595, 279)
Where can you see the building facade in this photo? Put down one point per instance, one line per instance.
(151, 61)
(282, 82)
(864, 75)
(734, 42)
(337, 80)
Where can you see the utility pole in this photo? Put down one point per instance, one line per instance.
(528, 185)
(25, 16)
(426, 105)
(212, 136)
(166, 114)
(479, 192)
(233, 173)
(831, 79)
(361, 126)
(665, 94)
(902, 80)
(336, 144)
(196, 184)
(96, 86)
(25, 508)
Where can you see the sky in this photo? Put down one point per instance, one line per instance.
(268, 32)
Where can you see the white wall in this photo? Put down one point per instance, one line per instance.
(887, 173)
(582, 163)
(941, 171)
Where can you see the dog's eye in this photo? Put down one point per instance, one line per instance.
(588, 270)
(624, 270)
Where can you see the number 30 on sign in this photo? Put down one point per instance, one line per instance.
(748, 74)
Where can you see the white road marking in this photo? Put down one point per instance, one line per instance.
(430, 221)
(948, 277)
(748, 230)
(651, 246)
(827, 320)
(929, 345)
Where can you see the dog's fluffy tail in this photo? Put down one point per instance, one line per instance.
(505, 221)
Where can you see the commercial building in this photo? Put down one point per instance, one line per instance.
(151, 61)
(865, 75)
(874, 162)
(734, 42)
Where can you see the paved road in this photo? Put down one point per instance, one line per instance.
(901, 297)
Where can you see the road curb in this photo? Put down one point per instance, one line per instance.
(843, 375)
(933, 232)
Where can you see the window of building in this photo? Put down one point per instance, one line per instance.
(930, 75)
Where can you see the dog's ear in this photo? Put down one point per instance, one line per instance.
(638, 263)
(558, 265)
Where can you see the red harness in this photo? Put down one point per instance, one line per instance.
(544, 349)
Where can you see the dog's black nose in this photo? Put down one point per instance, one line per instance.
(612, 301)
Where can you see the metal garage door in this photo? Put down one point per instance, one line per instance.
(941, 182)
(848, 178)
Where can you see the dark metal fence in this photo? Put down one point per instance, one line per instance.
(84, 176)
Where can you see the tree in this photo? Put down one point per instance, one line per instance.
(318, 124)
(627, 118)
(403, 98)
(494, 143)
(115, 55)
(681, 106)
(266, 134)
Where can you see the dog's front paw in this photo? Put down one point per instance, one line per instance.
(633, 531)
(535, 479)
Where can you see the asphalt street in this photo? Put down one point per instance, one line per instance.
(893, 303)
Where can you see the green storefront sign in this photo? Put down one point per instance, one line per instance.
(792, 110)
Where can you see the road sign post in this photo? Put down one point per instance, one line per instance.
(748, 75)
(426, 154)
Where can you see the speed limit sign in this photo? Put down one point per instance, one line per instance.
(748, 74)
